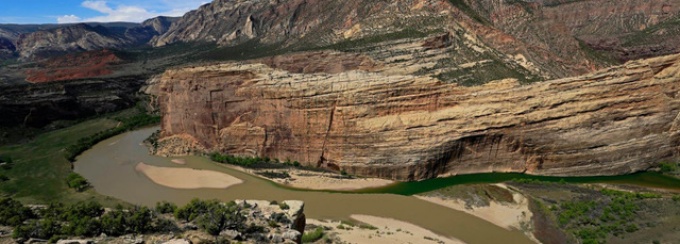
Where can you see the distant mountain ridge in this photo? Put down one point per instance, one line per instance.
(43, 41)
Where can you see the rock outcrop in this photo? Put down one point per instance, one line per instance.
(74, 66)
(573, 31)
(381, 123)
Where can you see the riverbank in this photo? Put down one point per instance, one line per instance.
(510, 214)
(185, 178)
(39, 170)
(378, 230)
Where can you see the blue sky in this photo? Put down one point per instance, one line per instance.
(68, 11)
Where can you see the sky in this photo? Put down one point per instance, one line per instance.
(71, 11)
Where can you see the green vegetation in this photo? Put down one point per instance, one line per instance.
(77, 182)
(39, 171)
(166, 207)
(127, 124)
(667, 167)
(593, 220)
(239, 161)
(214, 217)
(13, 213)
(6, 163)
(86, 219)
(310, 237)
(89, 219)
(262, 163)
(602, 56)
(367, 227)
(284, 206)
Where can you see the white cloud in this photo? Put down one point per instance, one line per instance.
(134, 12)
(68, 19)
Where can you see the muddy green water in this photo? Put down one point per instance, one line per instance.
(109, 166)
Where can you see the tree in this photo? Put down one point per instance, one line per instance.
(13, 213)
(140, 220)
(77, 182)
(165, 207)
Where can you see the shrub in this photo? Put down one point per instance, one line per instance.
(313, 236)
(6, 162)
(666, 167)
(165, 207)
(13, 213)
(212, 216)
(77, 182)
(368, 227)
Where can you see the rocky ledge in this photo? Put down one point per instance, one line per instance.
(377, 123)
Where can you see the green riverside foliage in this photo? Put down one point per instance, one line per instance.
(166, 207)
(239, 161)
(313, 236)
(77, 182)
(129, 123)
(594, 220)
(667, 167)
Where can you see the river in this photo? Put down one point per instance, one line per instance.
(110, 168)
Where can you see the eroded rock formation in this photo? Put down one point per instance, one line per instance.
(74, 66)
(371, 123)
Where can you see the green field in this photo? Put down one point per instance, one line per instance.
(40, 168)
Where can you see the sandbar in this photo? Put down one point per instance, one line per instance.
(186, 178)
(511, 216)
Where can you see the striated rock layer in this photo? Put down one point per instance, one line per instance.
(375, 123)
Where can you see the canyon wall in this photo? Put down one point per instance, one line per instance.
(372, 122)
(37, 105)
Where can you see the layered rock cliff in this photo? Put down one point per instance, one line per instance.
(372, 122)
(574, 31)
(550, 38)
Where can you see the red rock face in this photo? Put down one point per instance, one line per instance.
(74, 66)
(403, 127)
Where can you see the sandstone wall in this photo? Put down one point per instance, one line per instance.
(614, 121)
